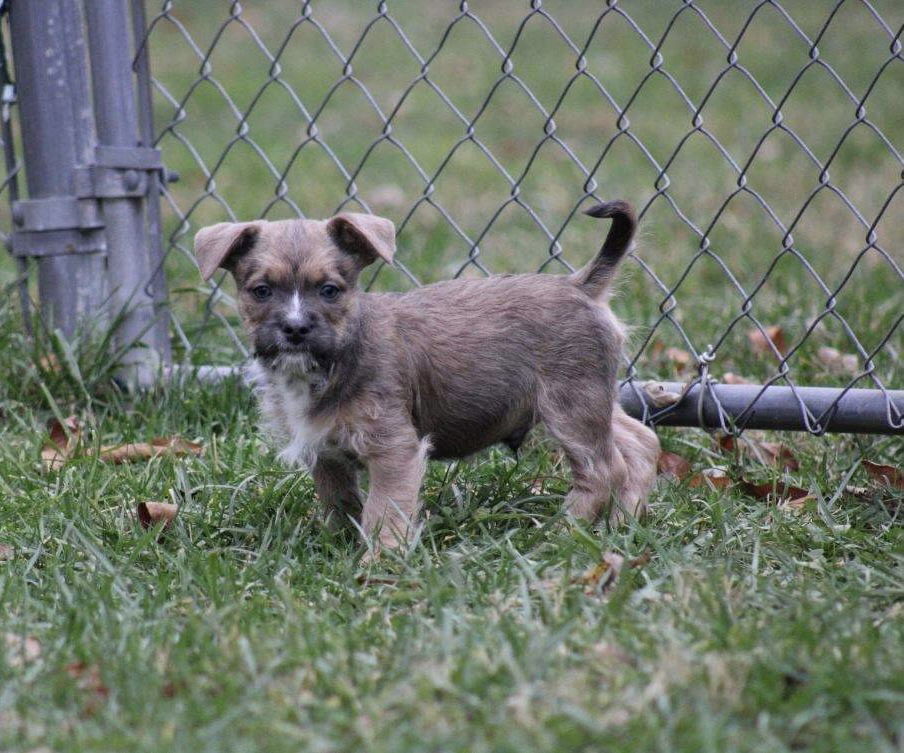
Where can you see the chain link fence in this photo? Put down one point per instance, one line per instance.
(760, 141)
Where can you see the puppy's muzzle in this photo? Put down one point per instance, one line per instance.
(296, 329)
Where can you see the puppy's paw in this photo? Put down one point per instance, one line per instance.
(623, 512)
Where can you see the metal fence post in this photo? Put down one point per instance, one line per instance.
(63, 232)
(130, 268)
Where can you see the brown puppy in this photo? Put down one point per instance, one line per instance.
(347, 378)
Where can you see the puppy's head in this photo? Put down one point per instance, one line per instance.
(296, 281)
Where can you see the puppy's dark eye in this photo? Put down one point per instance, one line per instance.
(329, 291)
(261, 292)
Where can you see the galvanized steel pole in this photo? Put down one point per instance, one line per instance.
(815, 409)
(63, 233)
(129, 264)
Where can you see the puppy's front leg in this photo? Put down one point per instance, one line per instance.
(336, 482)
(393, 504)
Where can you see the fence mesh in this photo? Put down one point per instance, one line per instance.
(760, 141)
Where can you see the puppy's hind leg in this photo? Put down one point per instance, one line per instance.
(639, 447)
(584, 430)
(336, 482)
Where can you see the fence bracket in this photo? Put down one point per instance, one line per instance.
(118, 172)
(56, 226)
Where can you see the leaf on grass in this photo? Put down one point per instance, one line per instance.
(714, 478)
(766, 453)
(837, 362)
(6, 552)
(127, 453)
(884, 474)
(152, 513)
(659, 396)
(763, 341)
(50, 363)
(730, 378)
(87, 677)
(602, 576)
(780, 491)
(21, 649)
(64, 438)
(673, 465)
(679, 358)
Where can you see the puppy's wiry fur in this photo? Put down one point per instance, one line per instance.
(349, 379)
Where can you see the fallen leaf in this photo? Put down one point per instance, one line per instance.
(796, 504)
(837, 362)
(152, 513)
(778, 491)
(64, 438)
(673, 465)
(50, 363)
(884, 474)
(714, 478)
(730, 378)
(659, 396)
(766, 453)
(126, 453)
(6, 552)
(21, 649)
(680, 359)
(602, 576)
(763, 341)
(87, 677)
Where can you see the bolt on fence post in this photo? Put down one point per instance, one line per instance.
(48, 46)
(130, 267)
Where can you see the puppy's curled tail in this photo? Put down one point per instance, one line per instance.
(596, 277)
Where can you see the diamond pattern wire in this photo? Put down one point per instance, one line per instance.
(334, 39)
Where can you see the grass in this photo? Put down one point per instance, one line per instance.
(753, 626)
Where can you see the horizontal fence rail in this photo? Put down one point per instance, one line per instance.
(760, 141)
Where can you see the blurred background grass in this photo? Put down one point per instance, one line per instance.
(271, 109)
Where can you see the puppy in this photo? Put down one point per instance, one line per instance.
(385, 381)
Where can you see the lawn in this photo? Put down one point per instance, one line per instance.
(746, 625)
(738, 621)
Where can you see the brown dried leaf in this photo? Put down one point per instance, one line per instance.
(730, 378)
(763, 341)
(679, 358)
(21, 650)
(673, 465)
(779, 491)
(87, 676)
(884, 474)
(127, 453)
(602, 576)
(63, 440)
(766, 453)
(714, 478)
(837, 362)
(6, 552)
(50, 363)
(152, 513)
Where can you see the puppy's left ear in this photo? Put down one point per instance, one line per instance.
(364, 235)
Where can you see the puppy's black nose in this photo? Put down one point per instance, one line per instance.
(296, 330)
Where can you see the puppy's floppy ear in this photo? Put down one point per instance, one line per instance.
(222, 244)
(363, 235)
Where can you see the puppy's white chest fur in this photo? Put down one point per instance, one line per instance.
(285, 403)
